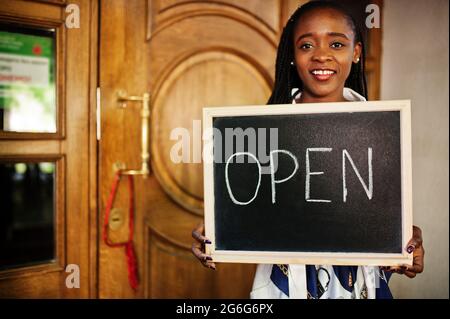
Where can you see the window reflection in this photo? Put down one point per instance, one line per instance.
(26, 213)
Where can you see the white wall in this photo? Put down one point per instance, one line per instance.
(415, 66)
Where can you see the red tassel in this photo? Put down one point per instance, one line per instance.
(132, 265)
(129, 247)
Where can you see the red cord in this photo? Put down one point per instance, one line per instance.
(129, 246)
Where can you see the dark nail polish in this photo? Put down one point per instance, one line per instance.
(207, 241)
(410, 249)
(208, 258)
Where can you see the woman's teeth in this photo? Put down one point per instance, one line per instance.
(322, 72)
(322, 75)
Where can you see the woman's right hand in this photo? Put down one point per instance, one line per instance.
(198, 247)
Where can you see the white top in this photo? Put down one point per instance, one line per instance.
(349, 95)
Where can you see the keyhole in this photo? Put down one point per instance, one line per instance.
(116, 219)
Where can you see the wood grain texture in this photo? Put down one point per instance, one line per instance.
(71, 147)
(189, 61)
(32, 10)
(253, 13)
(206, 78)
(231, 57)
(93, 152)
(123, 66)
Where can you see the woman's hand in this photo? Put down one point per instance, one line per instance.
(198, 247)
(415, 246)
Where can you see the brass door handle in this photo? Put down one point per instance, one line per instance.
(122, 100)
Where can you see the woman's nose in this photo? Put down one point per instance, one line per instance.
(322, 55)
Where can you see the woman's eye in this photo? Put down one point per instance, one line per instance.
(306, 46)
(337, 45)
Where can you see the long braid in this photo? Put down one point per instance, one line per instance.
(357, 80)
(286, 76)
(285, 73)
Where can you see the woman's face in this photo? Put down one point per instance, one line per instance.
(324, 52)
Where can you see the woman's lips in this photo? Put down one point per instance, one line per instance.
(322, 74)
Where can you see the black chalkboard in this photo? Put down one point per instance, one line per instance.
(341, 212)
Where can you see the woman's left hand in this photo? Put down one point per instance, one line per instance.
(415, 246)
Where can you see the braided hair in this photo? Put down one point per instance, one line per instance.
(286, 76)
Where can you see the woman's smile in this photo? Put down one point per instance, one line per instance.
(322, 75)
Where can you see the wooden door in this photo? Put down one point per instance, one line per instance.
(48, 193)
(187, 55)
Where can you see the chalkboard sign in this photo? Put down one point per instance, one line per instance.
(322, 183)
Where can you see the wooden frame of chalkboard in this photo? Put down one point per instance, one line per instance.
(314, 254)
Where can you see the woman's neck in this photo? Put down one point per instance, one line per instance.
(307, 97)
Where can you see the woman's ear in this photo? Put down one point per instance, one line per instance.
(357, 52)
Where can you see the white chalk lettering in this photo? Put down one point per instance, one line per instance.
(309, 173)
(272, 171)
(369, 191)
(273, 163)
(228, 182)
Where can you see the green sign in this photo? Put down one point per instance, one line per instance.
(27, 82)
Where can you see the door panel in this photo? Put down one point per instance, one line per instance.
(208, 78)
(57, 166)
(187, 54)
(264, 16)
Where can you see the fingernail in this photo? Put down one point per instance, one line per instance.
(213, 268)
(208, 258)
(410, 249)
(207, 241)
